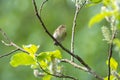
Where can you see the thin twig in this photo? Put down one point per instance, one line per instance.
(9, 41)
(82, 68)
(109, 57)
(110, 51)
(75, 65)
(14, 45)
(60, 76)
(5, 35)
(78, 8)
(61, 46)
(110, 54)
(7, 54)
(41, 7)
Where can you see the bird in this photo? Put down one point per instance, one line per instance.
(59, 34)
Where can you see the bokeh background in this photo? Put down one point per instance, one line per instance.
(18, 20)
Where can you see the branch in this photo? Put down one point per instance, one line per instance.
(41, 7)
(78, 8)
(14, 45)
(9, 41)
(5, 35)
(7, 54)
(59, 76)
(110, 52)
(74, 64)
(60, 45)
(82, 68)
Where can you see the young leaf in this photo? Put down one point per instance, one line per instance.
(32, 49)
(42, 56)
(48, 55)
(99, 17)
(113, 64)
(56, 54)
(21, 59)
(43, 64)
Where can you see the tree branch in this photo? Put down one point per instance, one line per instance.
(59, 76)
(75, 65)
(5, 35)
(110, 52)
(7, 54)
(78, 8)
(82, 68)
(9, 41)
(41, 7)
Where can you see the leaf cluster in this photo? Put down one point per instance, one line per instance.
(42, 60)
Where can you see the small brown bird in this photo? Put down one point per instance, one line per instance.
(60, 33)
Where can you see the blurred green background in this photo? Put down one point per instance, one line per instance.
(18, 20)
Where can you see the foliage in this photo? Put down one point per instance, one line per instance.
(114, 66)
(110, 12)
(42, 60)
(109, 9)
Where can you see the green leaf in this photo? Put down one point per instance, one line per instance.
(43, 59)
(32, 49)
(21, 59)
(113, 64)
(47, 77)
(99, 17)
(42, 56)
(43, 64)
(48, 55)
(56, 54)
